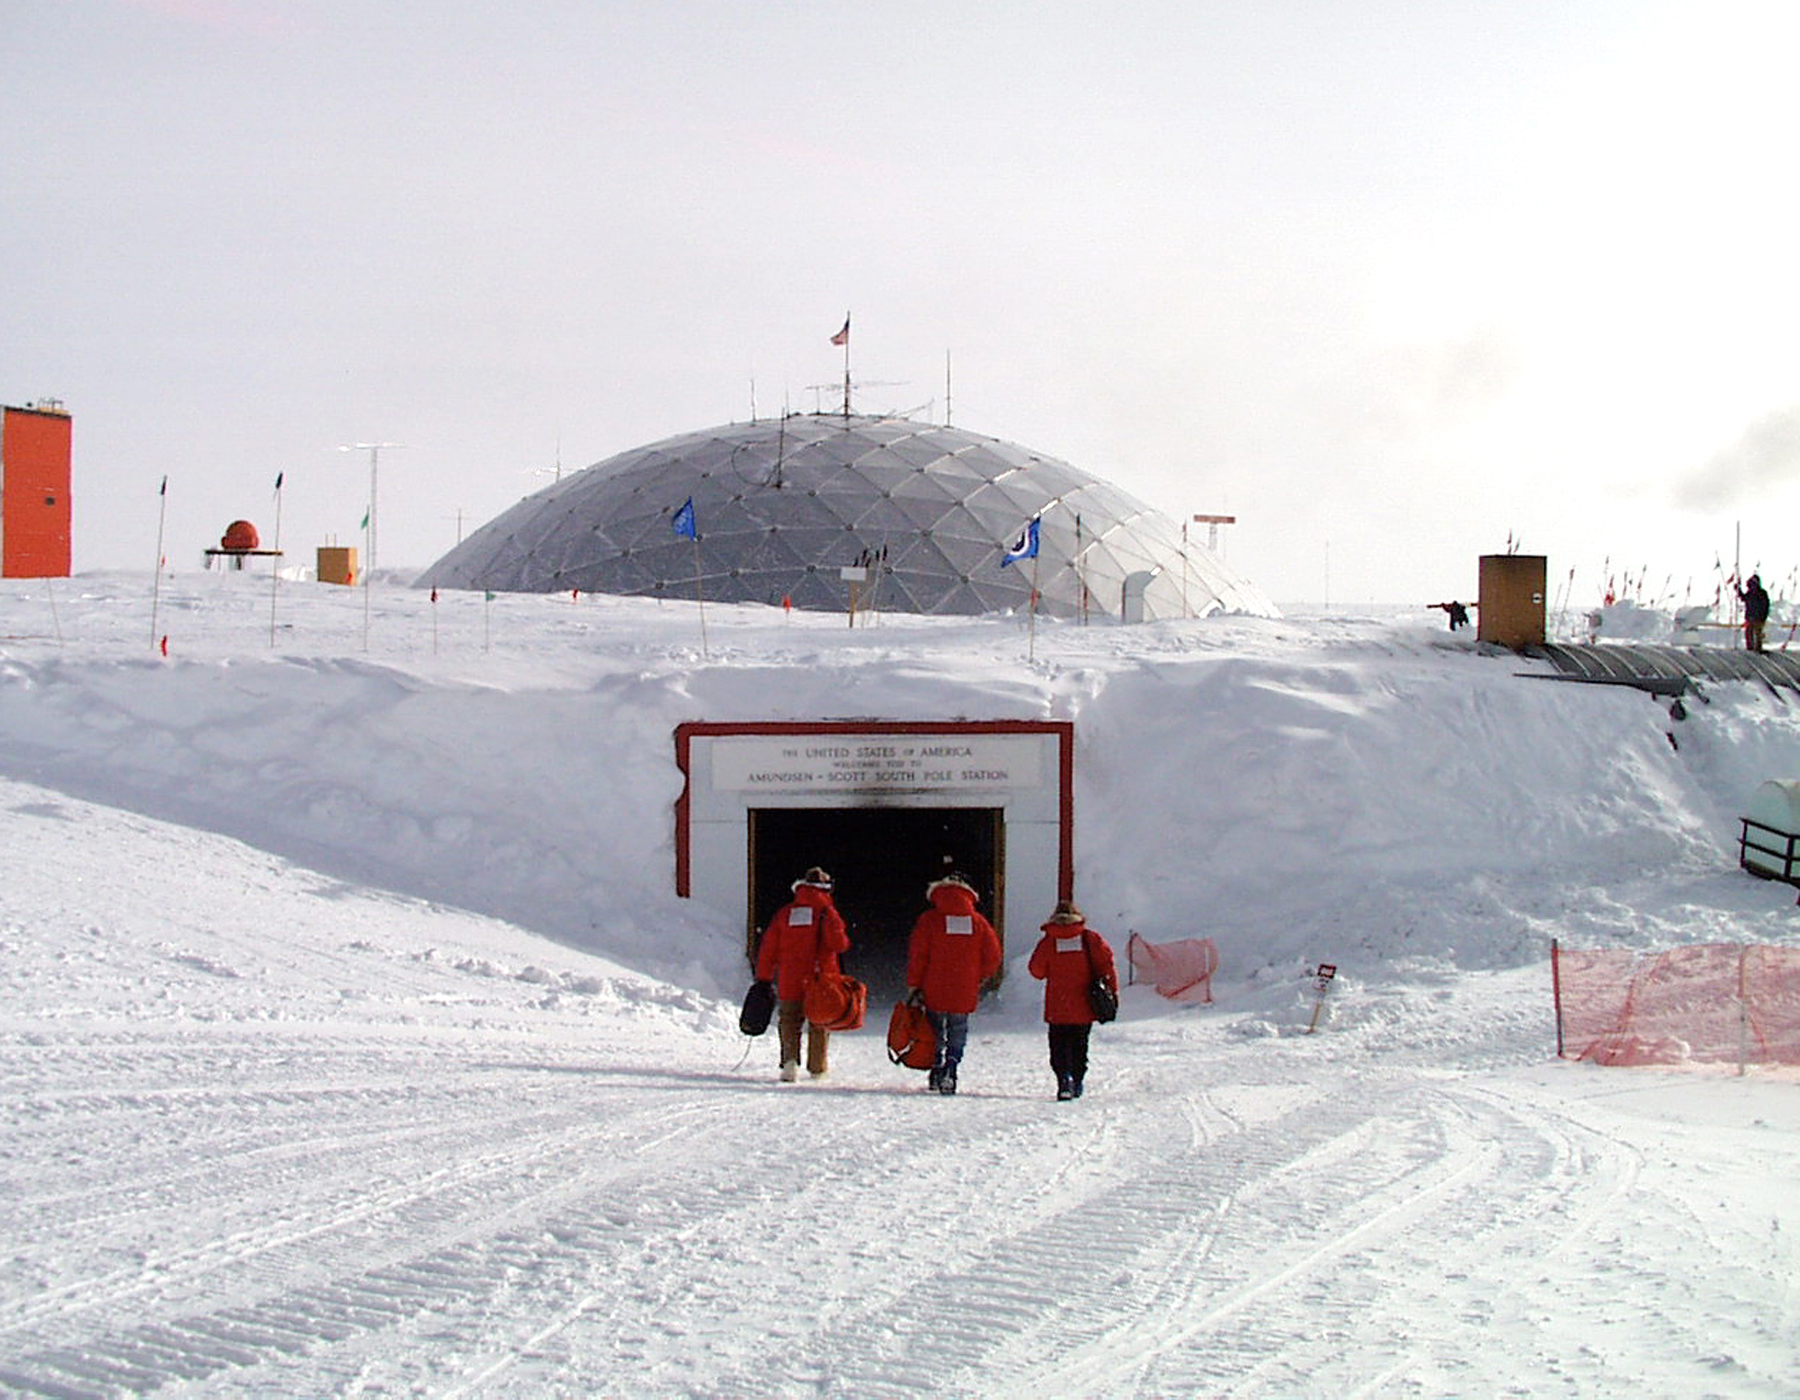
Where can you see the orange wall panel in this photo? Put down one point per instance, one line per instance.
(34, 493)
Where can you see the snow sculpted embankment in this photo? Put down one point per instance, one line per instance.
(1362, 791)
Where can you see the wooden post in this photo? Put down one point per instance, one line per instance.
(1556, 992)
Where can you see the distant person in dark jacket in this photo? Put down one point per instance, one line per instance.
(803, 940)
(1067, 959)
(1756, 612)
(1459, 614)
(954, 951)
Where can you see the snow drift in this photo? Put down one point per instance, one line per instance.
(355, 1042)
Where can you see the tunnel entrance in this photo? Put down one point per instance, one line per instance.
(880, 860)
(884, 805)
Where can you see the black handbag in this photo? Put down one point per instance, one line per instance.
(1103, 1001)
(759, 1007)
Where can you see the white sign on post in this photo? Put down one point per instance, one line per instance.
(1322, 979)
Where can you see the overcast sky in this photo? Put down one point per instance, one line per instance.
(1393, 281)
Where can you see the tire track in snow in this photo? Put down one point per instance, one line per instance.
(314, 1288)
(631, 1322)
(1421, 1246)
(314, 1274)
(1119, 1282)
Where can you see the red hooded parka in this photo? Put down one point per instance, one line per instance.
(953, 950)
(802, 940)
(1067, 958)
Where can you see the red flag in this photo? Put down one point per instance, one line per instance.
(843, 336)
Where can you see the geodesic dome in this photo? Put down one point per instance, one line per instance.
(781, 506)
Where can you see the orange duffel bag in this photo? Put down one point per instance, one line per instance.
(910, 1039)
(836, 1001)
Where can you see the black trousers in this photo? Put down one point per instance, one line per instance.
(1068, 1051)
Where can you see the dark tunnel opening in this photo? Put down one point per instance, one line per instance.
(880, 860)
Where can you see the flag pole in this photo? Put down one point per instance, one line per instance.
(368, 525)
(846, 335)
(55, 619)
(1075, 563)
(686, 525)
(275, 563)
(1185, 610)
(700, 594)
(162, 514)
(1031, 626)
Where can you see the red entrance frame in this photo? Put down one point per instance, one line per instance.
(1062, 729)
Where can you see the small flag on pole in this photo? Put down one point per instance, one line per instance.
(278, 477)
(163, 490)
(684, 521)
(365, 521)
(843, 336)
(1025, 547)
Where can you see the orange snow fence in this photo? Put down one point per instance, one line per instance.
(1714, 1003)
(1181, 971)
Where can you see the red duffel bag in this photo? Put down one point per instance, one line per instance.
(910, 1039)
(836, 1001)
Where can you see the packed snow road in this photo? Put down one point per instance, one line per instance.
(334, 1214)
(416, 1163)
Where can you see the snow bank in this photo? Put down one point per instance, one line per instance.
(1361, 791)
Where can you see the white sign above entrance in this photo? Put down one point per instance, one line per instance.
(875, 762)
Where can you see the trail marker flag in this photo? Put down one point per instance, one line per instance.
(687, 528)
(1025, 547)
(843, 336)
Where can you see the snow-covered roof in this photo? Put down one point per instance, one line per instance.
(782, 505)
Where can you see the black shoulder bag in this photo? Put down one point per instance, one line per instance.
(1103, 1001)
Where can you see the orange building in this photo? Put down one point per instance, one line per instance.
(34, 491)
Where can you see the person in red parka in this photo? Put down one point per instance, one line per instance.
(803, 940)
(954, 950)
(1067, 958)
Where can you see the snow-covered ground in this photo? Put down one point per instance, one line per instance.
(353, 1041)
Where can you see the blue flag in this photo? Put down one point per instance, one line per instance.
(1025, 547)
(684, 521)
